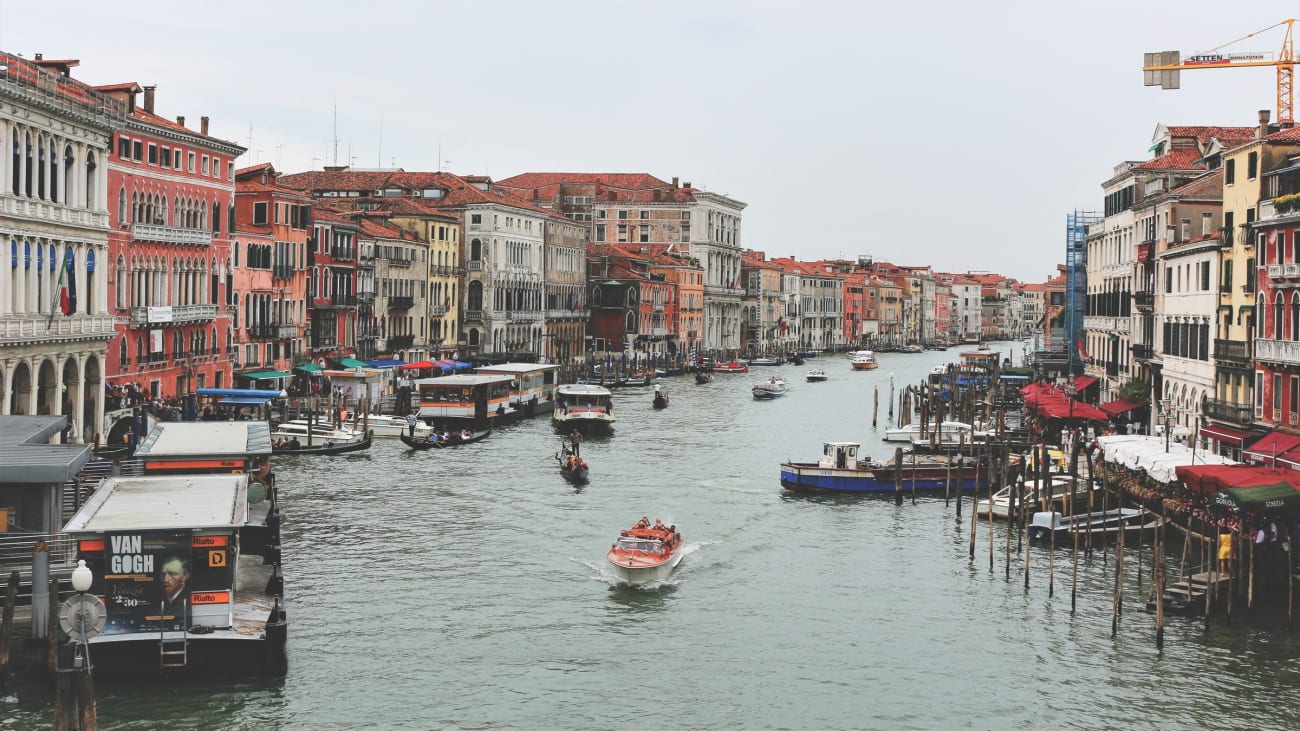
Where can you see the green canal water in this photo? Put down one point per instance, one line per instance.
(464, 589)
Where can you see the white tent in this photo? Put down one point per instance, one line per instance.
(1148, 454)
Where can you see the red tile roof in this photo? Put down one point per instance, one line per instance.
(1182, 158)
(458, 190)
(1229, 136)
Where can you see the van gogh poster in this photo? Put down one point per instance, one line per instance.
(147, 581)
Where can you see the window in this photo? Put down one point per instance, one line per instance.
(1169, 280)
(137, 150)
(645, 215)
(205, 165)
(476, 218)
(176, 164)
(153, 154)
(1205, 276)
(123, 148)
(259, 212)
(1229, 172)
(166, 157)
(600, 232)
(622, 215)
(1252, 167)
(1277, 395)
(645, 233)
(190, 167)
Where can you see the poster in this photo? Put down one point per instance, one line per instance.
(147, 581)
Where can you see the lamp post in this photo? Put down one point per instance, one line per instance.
(1166, 416)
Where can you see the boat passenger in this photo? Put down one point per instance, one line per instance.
(466, 433)
(294, 443)
(659, 524)
(643, 523)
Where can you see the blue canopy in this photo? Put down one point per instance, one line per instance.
(387, 363)
(247, 400)
(462, 365)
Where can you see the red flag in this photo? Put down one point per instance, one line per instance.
(1082, 352)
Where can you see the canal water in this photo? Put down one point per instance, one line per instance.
(465, 589)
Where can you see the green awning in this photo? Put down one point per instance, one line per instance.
(352, 363)
(1262, 498)
(308, 368)
(259, 375)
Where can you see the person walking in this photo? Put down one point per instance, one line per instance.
(575, 442)
(410, 423)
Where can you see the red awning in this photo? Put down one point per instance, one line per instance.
(1063, 410)
(416, 366)
(1209, 479)
(1120, 406)
(1225, 435)
(1275, 444)
(1082, 382)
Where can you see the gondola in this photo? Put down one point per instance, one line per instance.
(455, 440)
(327, 448)
(703, 377)
(571, 473)
(661, 400)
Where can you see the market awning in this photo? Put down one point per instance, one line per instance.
(1120, 406)
(417, 365)
(447, 366)
(351, 363)
(1282, 496)
(388, 363)
(1225, 435)
(1274, 444)
(1063, 410)
(309, 368)
(1206, 479)
(262, 375)
(1082, 382)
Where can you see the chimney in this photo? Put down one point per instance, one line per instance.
(148, 98)
(1186, 230)
(674, 181)
(1205, 224)
(180, 119)
(1262, 131)
(687, 184)
(203, 126)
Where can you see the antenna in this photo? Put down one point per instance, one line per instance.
(336, 128)
(278, 150)
(249, 146)
(379, 159)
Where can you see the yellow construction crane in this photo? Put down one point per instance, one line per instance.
(1162, 68)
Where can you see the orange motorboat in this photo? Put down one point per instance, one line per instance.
(645, 553)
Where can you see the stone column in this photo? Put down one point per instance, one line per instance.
(77, 394)
(8, 386)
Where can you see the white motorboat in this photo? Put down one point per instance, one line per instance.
(1058, 488)
(321, 432)
(815, 375)
(642, 555)
(773, 388)
(389, 426)
(949, 431)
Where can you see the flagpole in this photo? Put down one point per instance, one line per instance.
(58, 289)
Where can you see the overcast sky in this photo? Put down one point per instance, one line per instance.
(955, 134)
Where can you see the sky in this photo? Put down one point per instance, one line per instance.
(954, 134)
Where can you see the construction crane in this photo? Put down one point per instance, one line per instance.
(1162, 68)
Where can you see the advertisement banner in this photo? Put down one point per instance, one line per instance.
(147, 581)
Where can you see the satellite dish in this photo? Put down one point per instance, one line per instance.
(82, 610)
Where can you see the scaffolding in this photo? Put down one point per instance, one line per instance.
(1076, 286)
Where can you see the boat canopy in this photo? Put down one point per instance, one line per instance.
(387, 363)
(263, 395)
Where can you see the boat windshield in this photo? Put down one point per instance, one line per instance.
(629, 543)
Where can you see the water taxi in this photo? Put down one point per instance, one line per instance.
(731, 366)
(773, 388)
(645, 553)
(317, 432)
(863, 360)
(949, 431)
(461, 401)
(532, 388)
(186, 558)
(386, 426)
(815, 375)
(582, 405)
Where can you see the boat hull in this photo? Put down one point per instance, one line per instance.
(810, 477)
(865, 366)
(767, 394)
(641, 571)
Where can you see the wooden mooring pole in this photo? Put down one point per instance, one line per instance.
(898, 475)
(7, 624)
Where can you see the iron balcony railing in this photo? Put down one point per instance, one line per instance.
(1234, 352)
(401, 302)
(1239, 414)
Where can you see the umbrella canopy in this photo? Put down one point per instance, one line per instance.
(417, 365)
(1282, 496)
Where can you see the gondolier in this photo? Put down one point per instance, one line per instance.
(410, 423)
(575, 442)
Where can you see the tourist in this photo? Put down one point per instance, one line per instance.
(1226, 553)
(643, 523)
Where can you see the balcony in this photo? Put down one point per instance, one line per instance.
(263, 332)
(342, 253)
(1144, 300)
(437, 310)
(1281, 352)
(1239, 414)
(365, 296)
(658, 332)
(474, 266)
(170, 234)
(286, 332)
(1234, 353)
(172, 315)
(473, 315)
(403, 263)
(401, 303)
(524, 316)
(714, 290)
(343, 300)
(282, 271)
(38, 328)
(397, 342)
(1143, 352)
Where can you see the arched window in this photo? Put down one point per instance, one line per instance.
(121, 205)
(88, 296)
(475, 250)
(68, 161)
(119, 297)
(91, 191)
(1277, 317)
(1295, 316)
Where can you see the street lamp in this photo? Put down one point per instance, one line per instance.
(1166, 416)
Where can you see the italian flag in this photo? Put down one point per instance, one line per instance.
(67, 285)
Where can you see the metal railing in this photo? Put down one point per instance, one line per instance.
(401, 302)
(1239, 414)
(1144, 300)
(1235, 352)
